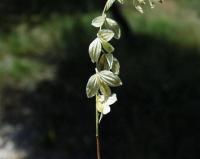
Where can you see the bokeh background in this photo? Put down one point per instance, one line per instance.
(44, 67)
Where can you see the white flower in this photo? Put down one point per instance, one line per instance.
(103, 105)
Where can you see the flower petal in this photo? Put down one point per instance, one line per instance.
(111, 100)
(106, 109)
(99, 106)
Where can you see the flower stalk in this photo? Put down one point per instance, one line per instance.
(107, 66)
(97, 134)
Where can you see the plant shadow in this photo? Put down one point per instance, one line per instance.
(157, 115)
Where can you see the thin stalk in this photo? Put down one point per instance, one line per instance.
(98, 148)
(97, 114)
(97, 134)
(103, 12)
(104, 9)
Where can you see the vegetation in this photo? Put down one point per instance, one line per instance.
(28, 43)
(44, 110)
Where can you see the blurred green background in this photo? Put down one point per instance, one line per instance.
(44, 67)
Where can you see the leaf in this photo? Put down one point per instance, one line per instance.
(105, 89)
(103, 64)
(95, 50)
(113, 25)
(107, 46)
(139, 9)
(105, 34)
(92, 86)
(109, 58)
(115, 66)
(110, 78)
(109, 4)
(99, 21)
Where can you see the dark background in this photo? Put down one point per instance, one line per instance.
(44, 68)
